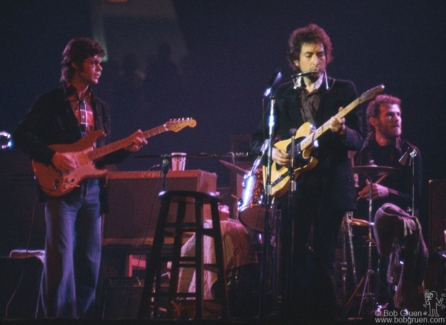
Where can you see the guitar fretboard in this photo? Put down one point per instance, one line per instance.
(369, 94)
(123, 143)
(309, 140)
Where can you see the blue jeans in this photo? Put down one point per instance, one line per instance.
(72, 253)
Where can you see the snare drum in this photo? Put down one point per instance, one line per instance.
(251, 206)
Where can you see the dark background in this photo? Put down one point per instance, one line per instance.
(233, 49)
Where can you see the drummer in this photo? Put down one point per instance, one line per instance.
(384, 150)
(384, 147)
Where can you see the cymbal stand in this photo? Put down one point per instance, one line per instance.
(367, 295)
(346, 230)
(348, 217)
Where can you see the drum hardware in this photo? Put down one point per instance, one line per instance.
(369, 171)
(368, 298)
(359, 222)
(346, 230)
(234, 168)
(251, 205)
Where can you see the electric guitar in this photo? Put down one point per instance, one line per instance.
(281, 175)
(55, 183)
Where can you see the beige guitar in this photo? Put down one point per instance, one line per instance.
(280, 175)
(56, 184)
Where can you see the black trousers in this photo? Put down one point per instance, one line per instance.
(309, 234)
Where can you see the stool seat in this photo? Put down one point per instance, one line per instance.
(164, 299)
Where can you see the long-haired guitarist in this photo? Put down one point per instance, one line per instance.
(61, 119)
(325, 186)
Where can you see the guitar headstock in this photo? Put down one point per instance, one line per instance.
(176, 125)
(371, 93)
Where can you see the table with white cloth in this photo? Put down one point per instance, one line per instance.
(237, 251)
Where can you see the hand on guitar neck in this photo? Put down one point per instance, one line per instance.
(138, 141)
(337, 124)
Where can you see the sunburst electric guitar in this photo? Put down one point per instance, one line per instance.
(55, 183)
(305, 142)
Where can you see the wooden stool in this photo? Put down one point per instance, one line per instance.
(155, 300)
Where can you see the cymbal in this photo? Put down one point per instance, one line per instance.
(360, 222)
(234, 168)
(374, 170)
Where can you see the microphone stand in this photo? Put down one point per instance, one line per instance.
(165, 169)
(290, 276)
(410, 154)
(413, 154)
(266, 234)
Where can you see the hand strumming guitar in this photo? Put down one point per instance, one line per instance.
(281, 157)
(64, 161)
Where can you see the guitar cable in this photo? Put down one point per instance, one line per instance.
(22, 271)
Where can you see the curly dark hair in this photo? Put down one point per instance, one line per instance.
(77, 50)
(311, 33)
(373, 110)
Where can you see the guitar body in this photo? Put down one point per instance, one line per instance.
(55, 183)
(280, 175)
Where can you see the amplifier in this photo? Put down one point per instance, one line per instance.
(121, 298)
(437, 214)
(134, 203)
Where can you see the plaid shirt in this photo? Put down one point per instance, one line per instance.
(82, 110)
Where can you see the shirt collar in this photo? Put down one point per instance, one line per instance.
(70, 92)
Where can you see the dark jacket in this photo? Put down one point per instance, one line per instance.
(401, 180)
(51, 120)
(332, 153)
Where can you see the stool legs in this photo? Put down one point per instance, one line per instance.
(154, 261)
(180, 227)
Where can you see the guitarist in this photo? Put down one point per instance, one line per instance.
(73, 222)
(323, 193)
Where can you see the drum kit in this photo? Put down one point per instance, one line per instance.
(251, 206)
(251, 211)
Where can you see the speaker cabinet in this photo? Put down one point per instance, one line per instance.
(21, 214)
(121, 297)
(437, 214)
(19, 286)
(134, 203)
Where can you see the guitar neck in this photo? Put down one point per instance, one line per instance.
(309, 140)
(98, 153)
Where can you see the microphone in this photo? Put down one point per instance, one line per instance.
(273, 81)
(165, 169)
(303, 74)
(296, 77)
(165, 165)
(405, 160)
